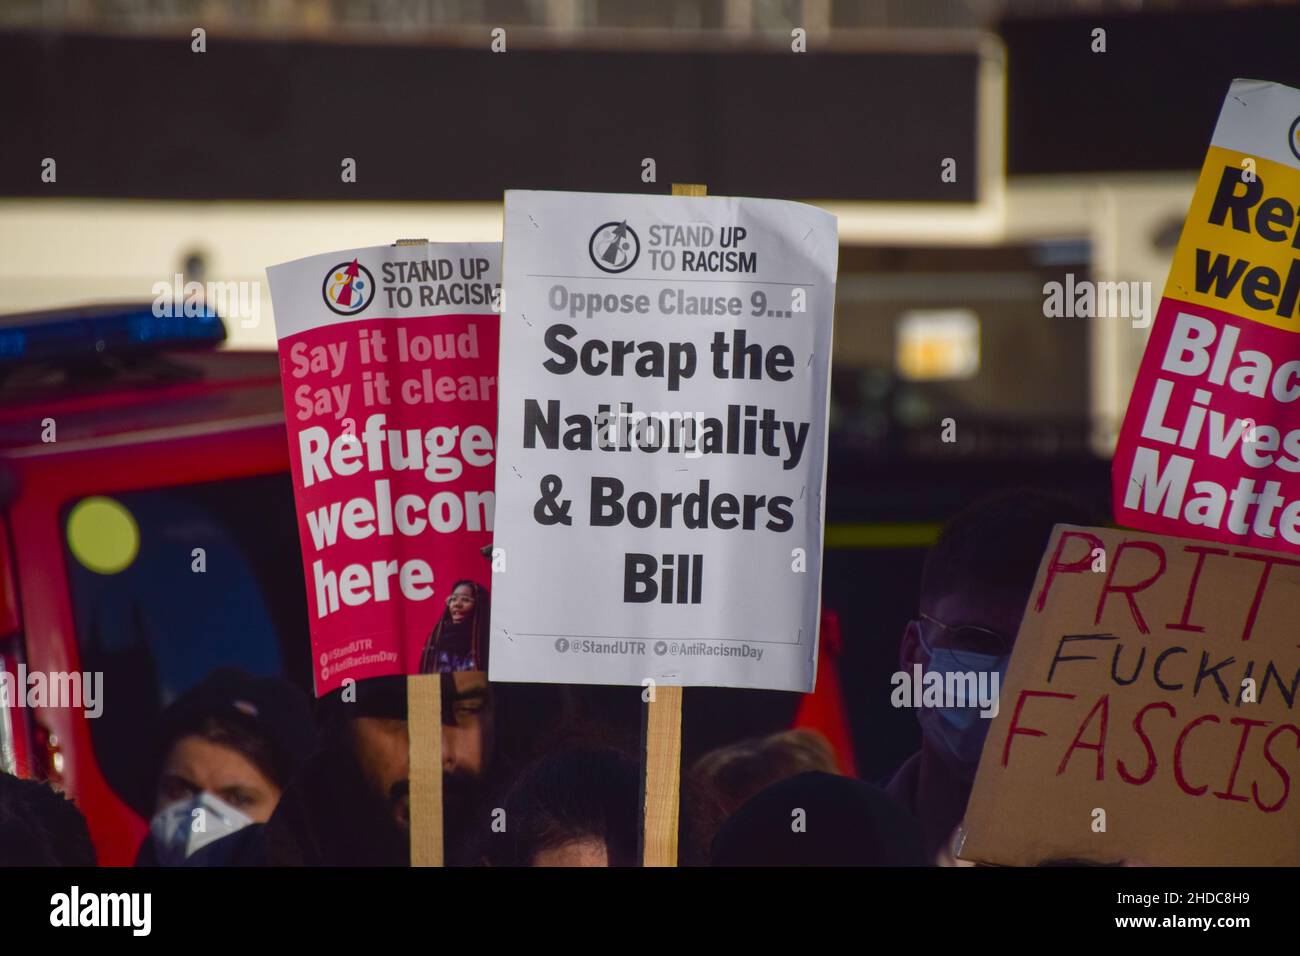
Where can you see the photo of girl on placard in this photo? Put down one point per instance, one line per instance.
(459, 641)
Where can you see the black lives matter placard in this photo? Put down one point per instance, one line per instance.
(662, 439)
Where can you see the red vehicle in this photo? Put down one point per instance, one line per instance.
(147, 532)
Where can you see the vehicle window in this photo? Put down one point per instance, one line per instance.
(168, 584)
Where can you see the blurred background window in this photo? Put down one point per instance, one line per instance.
(155, 626)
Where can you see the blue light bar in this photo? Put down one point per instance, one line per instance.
(62, 335)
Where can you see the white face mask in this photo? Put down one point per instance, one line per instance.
(182, 827)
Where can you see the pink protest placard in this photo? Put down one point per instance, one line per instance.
(388, 358)
(1210, 446)
(1211, 454)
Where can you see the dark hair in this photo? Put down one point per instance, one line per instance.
(478, 629)
(738, 771)
(265, 719)
(41, 827)
(847, 822)
(997, 543)
(580, 793)
(274, 765)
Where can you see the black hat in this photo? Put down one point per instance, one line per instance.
(369, 697)
(269, 707)
(846, 822)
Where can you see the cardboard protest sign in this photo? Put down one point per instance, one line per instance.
(388, 359)
(1148, 713)
(1210, 446)
(665, 372)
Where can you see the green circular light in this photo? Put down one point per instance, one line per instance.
(103, 535)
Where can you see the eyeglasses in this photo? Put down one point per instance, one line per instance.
(969, 644)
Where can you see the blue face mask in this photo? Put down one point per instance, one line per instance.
(959, 732)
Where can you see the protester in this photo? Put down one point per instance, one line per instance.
(227, 749)
(350, 803)
(577, 807)
(41, 827)
(737, 772)
(380, 745)
(974, 587)
(459, 641)
(819, 819)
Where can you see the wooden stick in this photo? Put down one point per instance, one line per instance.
(424, 748)
(663, 777)
(662, 743)
(424, 726)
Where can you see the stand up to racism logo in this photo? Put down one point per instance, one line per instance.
(348, 288)
(614, 247)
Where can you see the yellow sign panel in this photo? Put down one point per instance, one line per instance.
(1240, 248)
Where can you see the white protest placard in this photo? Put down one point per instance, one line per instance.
(665, 368)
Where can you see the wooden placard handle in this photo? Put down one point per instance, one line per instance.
(424, 726)
(662, 776)
(662, 742)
